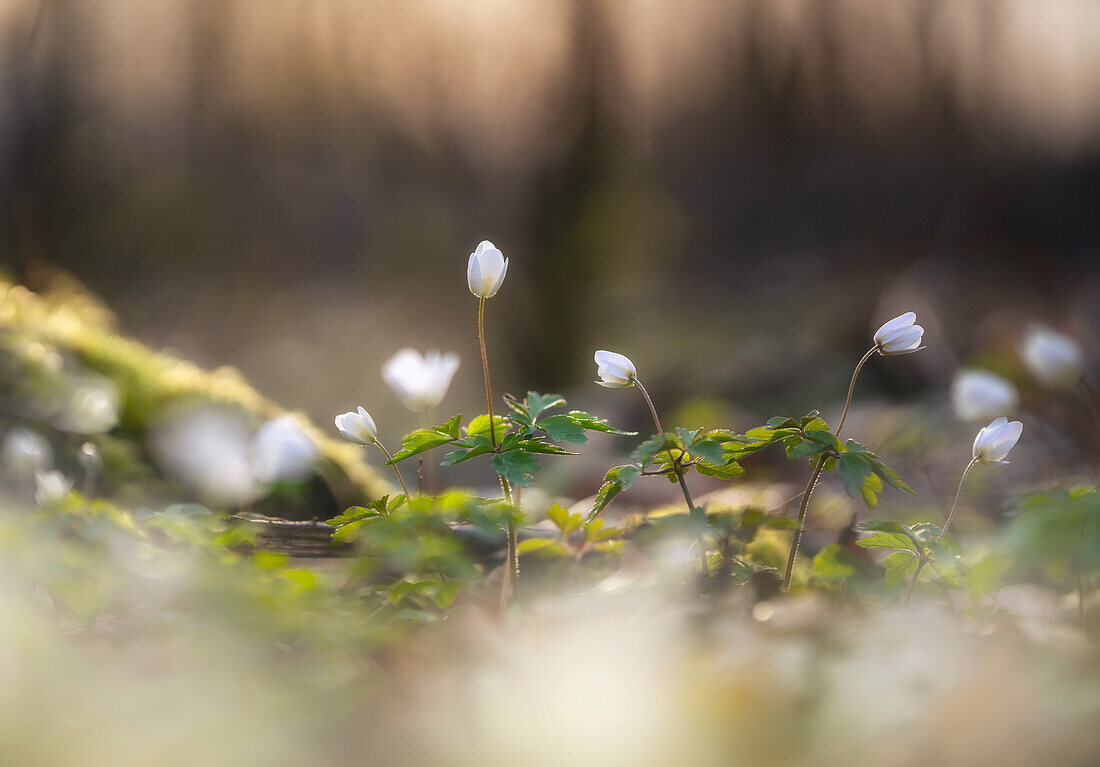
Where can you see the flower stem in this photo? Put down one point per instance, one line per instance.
(926, 554)
(852, 388)
(485, 368)
(511, 569)
(679, 476)
(803, 507)
(396, 471)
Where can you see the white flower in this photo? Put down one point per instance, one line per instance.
(281, 451)
(486, 270)
(614, 370)
(1054, 359)
(995, 440)
(93, 406)
(900, 335)
(207, 448)
(420, 381)
(358, 427)
(50, 487)
(978, 395)
(26, 452)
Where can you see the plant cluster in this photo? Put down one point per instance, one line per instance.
(539, 425)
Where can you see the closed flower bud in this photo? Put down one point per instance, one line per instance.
(420, 381)
(1054, 359)
(978, 395)
(615, 370)
(486, 270)
(50, 487)
(995, 440)
(900, 335)
(358, 427)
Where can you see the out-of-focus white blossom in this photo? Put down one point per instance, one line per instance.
(358, 427)
(486, 270)
(208, 450)
(50, 487)
(994, 441)
(282, 452)
(1056, 360)
(93, 408)
(615, 370)
(420, 381)
(900, 335)
(979, 395)
(26, 451)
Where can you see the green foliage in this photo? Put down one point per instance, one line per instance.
(578, 536)
(863, 473)
(1055, 533)
(423, 440)
(617, 479)
(525, 432)
(833, 564)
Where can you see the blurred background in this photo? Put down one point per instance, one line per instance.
(735, 194)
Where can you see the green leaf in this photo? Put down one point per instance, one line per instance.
(565, 521)
(805, 449)
(468, 448)
(833, 564)
(646, 451)
(708, 450)
(907, 560)
(563, 428)
(544, 545)
(538, 446)
(537, 403)
(516, 466)
(859, 477)
(882, 540)
(480, 426)
(592, 423)
(617, 479)
(420, 441)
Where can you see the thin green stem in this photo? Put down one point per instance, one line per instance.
(958, 494)
(396, 471)
(511, 569)
(485, 368)
(803, 508)
(926, 554)
(852, 388)
(675, 463)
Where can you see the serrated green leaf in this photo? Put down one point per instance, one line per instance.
(480, 426)
(592, 423)
(805, 449)
(420, 441)
(537, 403)
(538, 446)
(646, 451)
(559, 516)
(563, 428)
(617, 479)
(708, 450)
(882, 540)
(516, 466)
